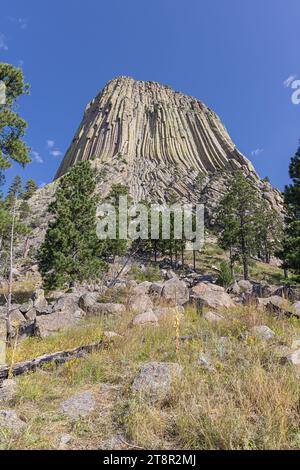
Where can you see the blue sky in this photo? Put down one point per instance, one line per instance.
(234, 55)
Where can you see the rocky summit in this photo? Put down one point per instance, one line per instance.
(162, 144)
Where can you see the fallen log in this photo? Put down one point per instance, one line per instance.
(59, 357)
(271, 308)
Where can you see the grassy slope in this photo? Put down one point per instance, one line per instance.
(250, 402)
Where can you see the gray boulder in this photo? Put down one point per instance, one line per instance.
(8, 392)
(147, 318)
(175, 291)
(10, 421)
(79, 406)
(87, 301)
(212, 295)
(140, 303)
(24, 308)
(155, 380)
(262, 332)
(46, 325)
(98, 309)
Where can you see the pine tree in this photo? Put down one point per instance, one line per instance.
(290, 253)
(12, 126)
(71, 250)
(238, 218)
(30, 188)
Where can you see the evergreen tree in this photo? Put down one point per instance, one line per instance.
(71, 250)
(30, 188)
(269, 231)
(12, 126)
(238, 218)
(290, 253)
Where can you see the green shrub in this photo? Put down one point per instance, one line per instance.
(225, 277)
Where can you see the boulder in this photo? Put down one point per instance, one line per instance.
(31, 314)
(87, 301)
(212, 295)
(106, 309)
(24, 308)
(38, 296)
(296, 307)
(8, 392)
(245, 287)
(156, 289)
(16, 317)
(142, 288)
(262, 332)
(155, 379)
(79, 406)
(175, 291)
(147, 318)
(273, 300)
(46, 325)
(10, 421)
(67, 303)
(140, 303)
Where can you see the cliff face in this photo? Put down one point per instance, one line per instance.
(154, 140)
(150, 125)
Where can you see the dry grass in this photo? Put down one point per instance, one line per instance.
(251, 401)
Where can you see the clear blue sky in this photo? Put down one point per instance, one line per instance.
(232, 54)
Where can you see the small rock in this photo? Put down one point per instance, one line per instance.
(111, 335)
(8, 391)
(145, 318)
(9, 420)
(64, 440)
(80, 405)
(206, 363)
(294, 358)
(262, 332)
(213, 317)
(155, 379)
(296, 307)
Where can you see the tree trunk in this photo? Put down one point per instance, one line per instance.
(182, 256)
(10, 276)
(246, 268)
(194, 260)
(231, 262)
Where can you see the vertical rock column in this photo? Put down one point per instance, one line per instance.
(2, 339)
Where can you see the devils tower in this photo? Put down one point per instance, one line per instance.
(158, 142)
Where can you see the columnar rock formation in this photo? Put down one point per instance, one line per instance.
(162, 144)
